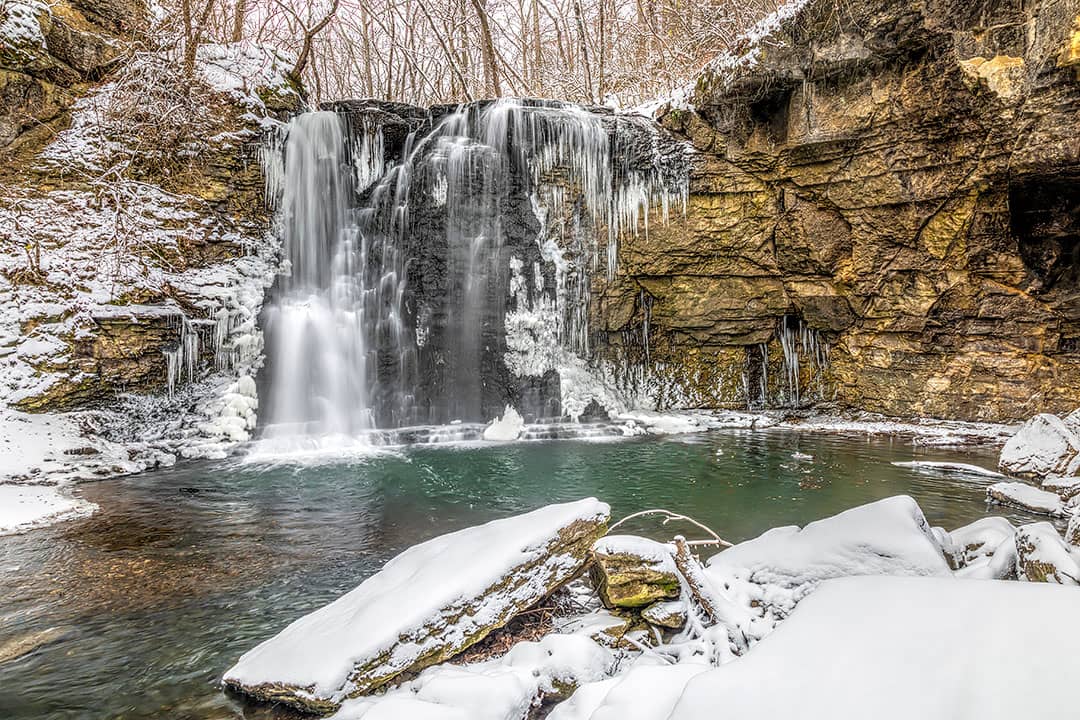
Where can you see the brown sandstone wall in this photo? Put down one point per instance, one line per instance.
(902, 176)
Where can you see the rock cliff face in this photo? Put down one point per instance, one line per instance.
(122, 271)
(892, 187)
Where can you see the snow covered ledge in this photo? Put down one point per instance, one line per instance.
(426, 605)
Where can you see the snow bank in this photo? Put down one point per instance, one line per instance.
(425, 605)
(507, 428)
(506, 688)
(1044, 445)
(54, 447)
(887, 537)
(949, 467)
(25, 506)
(902, 648)
(643, 693)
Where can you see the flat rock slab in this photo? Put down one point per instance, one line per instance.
(425, 606)
(1022, 495)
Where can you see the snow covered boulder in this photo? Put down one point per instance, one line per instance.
(978, 542)
(1025, 496)
(426, 605)
(506, 428)
(903, 648)
(1072, 532)
(1044, 445)
(632, 572)
(670, 615)
(887, 537)
(1042, 556)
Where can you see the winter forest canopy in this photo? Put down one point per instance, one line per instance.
(443, 51)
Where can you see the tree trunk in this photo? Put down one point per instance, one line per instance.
(487, 48)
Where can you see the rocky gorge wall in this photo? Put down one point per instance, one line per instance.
(896, 180)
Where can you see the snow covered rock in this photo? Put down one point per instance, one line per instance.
(1044, 445)
(632, 572)
(1042, 556)
(506, 687)
(507, 428)
(901, 648)
(425, 606)
(671, 615)
(1022, 495)
(981, 539)
(887, 537)
(1072, 532)
(646, 692)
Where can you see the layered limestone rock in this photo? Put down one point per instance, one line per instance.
(630, 572)
(426, 605)
(901, 177)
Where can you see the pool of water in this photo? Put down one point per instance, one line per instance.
(184, 569)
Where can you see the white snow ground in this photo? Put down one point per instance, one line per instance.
(23, 507)
(899, 648)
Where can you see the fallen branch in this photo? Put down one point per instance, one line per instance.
(670, 516)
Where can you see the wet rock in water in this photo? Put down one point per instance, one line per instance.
(632, 572)
(1042, 556)
(1044, 445)
(1018, 494)
(425, 606)
(23, 645)
(670, 615)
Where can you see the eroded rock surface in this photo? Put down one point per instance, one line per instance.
(632, 572)
(900, 178)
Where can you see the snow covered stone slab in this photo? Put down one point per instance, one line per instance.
(1022, 495)
(426, 605)
(1044, 445)
(887, 537)
(893, 648)
(1042, 556)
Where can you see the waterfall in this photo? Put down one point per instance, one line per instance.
(405, 243)
(319, 354)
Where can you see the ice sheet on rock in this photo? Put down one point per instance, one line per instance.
(25, 506)
(901, 648)
(1044, 445)
(506, 428)
(1028, 497)
(887, 537)
(320, 650)
(657, 552)
(505, 688)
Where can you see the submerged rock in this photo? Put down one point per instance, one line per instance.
(1042, 556)
(1044, 445)
(425, 606)
(632, 572)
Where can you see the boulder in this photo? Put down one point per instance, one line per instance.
(1044, 445)
(425, 606)
(1022, 495)
(1072, 532)
(1042, 556)
(632, 572)
(670, 615)
(980, 539)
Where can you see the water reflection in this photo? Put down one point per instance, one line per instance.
(184, 569)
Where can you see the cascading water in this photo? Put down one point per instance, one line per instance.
(319, 354)
(399, 241)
